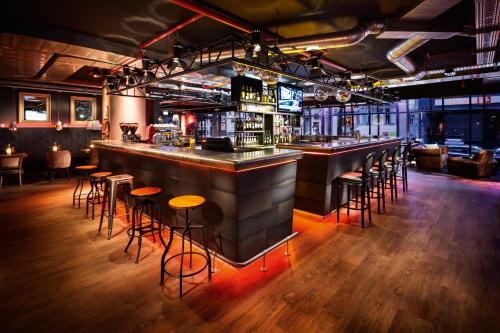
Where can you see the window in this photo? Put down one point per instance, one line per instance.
(83, 109)
(34, 108)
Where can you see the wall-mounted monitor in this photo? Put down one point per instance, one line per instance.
(289, 98)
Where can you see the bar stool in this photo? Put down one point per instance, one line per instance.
(186, 202)
(94, 196)
(83, 171)
(392, 170)
(143, 199)
(110, 189)
(360, 181)
(403, 162)
(378, 175)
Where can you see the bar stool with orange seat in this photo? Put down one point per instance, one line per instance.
(143, 198)
(186, 202)
(94, 195)
(83, 171)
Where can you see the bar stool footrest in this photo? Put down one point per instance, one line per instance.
(186, 253)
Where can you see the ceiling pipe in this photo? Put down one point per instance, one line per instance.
(170, 31)
(333, 40)
(212, 14)
(154, 40)
(398, 54)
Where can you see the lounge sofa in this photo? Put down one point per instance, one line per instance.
(430, 158)
(481, 165)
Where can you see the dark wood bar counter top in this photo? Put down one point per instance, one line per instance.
(249, 195)
(322, 163)
(338, 146)
(237, 161)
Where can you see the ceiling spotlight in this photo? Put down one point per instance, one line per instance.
(256, 39)
(449, 72)
(343, 96)
(146, 62)
(172, 64)
(95, 73)
(126, 70)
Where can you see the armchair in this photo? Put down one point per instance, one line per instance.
(481, 165)
(11, 165)
(57, 160)
(430, 158)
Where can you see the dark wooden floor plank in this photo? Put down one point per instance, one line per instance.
(431, 263)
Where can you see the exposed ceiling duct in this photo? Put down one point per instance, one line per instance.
(426, 11)
(398, 57)
(332, 40)
(487, 16)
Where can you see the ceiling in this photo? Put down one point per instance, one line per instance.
(105, 33)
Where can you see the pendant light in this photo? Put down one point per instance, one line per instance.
(59, 125)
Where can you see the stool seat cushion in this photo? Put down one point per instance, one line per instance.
(86, 167)
(145, 191)
(100, 174)
(352, 176)
(186, 201)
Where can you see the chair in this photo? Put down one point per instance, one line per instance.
(359, 181)
(431, 158)
(11, 165)
(481, 165)
(58, 160)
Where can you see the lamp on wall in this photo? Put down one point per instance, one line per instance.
(13, 126)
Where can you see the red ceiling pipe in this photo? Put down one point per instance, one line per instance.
(213, 15)
(170, 31)
(156, 39)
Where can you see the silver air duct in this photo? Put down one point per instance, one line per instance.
(398, 54)
(332, 40)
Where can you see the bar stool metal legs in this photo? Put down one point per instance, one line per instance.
(178, 203)
(80, 181)
(138, 230)
(109, 198)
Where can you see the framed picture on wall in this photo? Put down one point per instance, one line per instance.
(34, 108)
(83, 109)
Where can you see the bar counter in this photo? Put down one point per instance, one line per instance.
(249, 195)
(322, 163)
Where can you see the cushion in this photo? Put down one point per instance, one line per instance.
(431, 146)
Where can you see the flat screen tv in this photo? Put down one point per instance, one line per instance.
(289, 98)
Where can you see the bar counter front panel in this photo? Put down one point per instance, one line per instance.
(249, 196)
(322, 163)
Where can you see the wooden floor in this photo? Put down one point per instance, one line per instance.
(431, 263)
